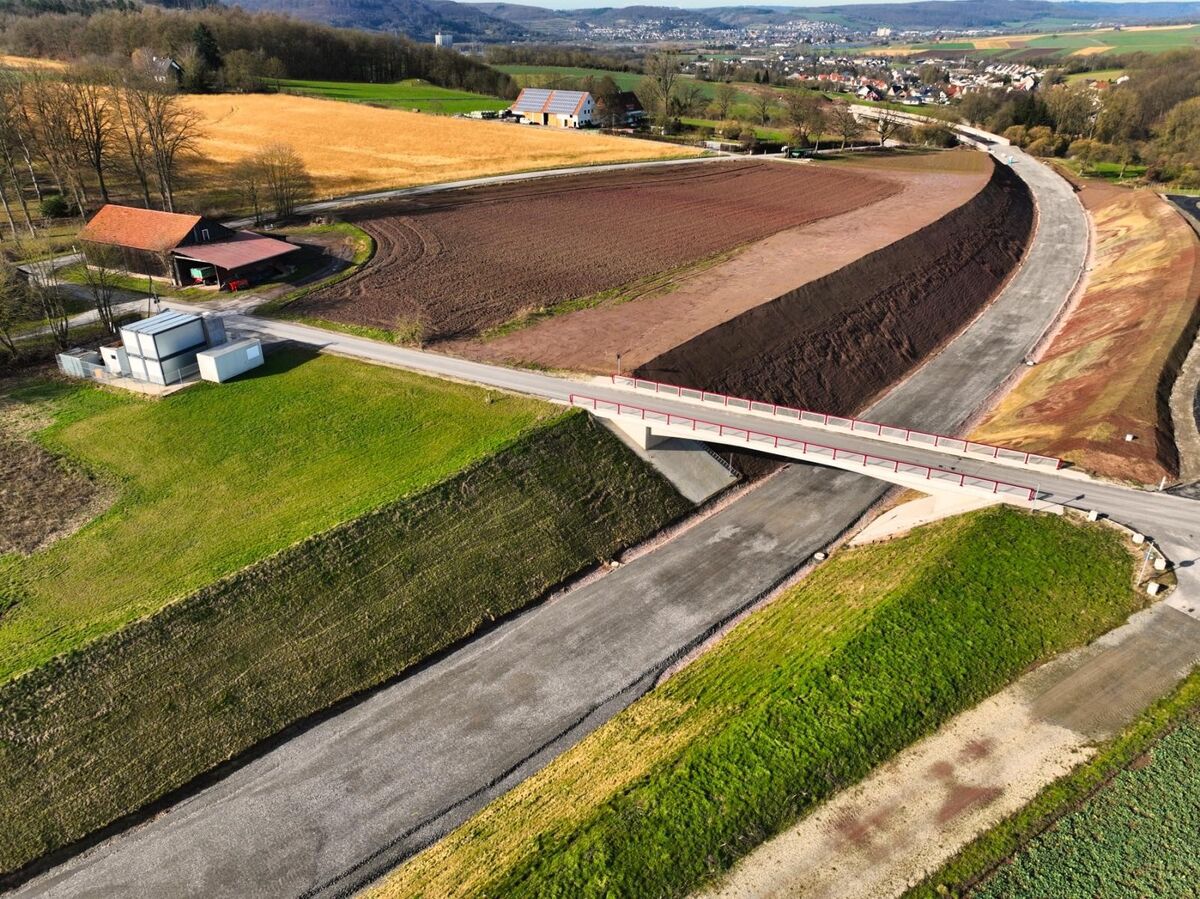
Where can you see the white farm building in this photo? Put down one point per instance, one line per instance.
(562, 109)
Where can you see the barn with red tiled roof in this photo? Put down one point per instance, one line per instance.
(185, 248)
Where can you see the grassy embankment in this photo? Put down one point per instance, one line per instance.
(1123, 823)
(218, 477)
(474, 507)
(871, 651)
(1109, 370)
(413, 94)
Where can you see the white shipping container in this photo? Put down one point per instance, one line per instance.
(229, 360)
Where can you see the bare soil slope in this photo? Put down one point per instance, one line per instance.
(644, 323)
(1109, 370)
(834, 343)
(456, 264)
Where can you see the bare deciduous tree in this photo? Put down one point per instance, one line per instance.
(887, 125)
(15, 306)
(101, 273)
(89, 107)
(46, 296)
(284, 178)
(845, 123)
(161, 128)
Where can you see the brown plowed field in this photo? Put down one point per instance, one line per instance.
(457, 263)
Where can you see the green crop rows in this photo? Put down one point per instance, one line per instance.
(100, 732)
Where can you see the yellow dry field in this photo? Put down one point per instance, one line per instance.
(1100, 378)
(28, 62)
(350, 148)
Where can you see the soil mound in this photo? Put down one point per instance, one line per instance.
(457, 263)
(836, 342)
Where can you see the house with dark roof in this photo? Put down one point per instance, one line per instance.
(188, 249)
(562, 109)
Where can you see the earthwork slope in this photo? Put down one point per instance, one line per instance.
(838, 341)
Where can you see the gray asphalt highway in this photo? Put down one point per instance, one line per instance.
(355, 794)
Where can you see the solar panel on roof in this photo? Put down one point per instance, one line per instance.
(537, 99)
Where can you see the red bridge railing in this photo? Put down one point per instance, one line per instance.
(823, 419)
(768, 441)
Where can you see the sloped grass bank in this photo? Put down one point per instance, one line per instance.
(103, 731)
(873, 650)
(220, 476)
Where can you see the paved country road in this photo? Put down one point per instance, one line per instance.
(353, 795)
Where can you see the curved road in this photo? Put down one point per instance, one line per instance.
(353, 795)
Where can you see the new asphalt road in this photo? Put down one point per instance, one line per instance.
(354, 794)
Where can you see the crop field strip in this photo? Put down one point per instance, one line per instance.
(1135, 837)
(1106, 789)
(411, 95)
(101, 732)
(467, 261)
(871, 651)
(351, 147)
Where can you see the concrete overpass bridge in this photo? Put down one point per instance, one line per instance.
(902, 456)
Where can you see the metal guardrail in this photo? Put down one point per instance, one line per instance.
(768, 441)
(844, 423)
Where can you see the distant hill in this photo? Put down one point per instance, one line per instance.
(498, 21)
(927, 14)
(417, 19)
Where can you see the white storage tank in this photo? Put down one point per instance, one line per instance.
(220, 363)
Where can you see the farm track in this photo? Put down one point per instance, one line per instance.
(465, 261)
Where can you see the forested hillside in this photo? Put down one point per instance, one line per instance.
(305, 49)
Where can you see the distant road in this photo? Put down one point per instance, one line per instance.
(351, 797)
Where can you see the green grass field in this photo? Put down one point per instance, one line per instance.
(536, 76)
(1097, 75)
(874, 649)
(103, 731)
(412, 94)
(220, 476)
(137, 284)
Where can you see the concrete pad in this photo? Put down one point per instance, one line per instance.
(934, 507)
(688, 464)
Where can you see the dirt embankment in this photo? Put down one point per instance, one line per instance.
(834, 343)
(1110, 369)
(458, 263)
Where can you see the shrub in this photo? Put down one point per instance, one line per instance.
(55, 206)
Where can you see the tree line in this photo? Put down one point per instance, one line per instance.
(1151, 119)
(301, 49)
